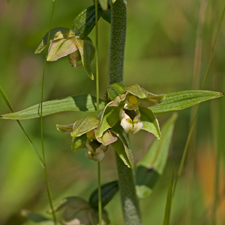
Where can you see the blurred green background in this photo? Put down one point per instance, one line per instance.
(160, 52)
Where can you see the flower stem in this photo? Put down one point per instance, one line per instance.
(129, 199)
(41, 122)
(97, 96)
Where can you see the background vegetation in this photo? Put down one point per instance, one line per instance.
(160, 53)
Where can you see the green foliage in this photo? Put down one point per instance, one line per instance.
(108, 191)
(85, 22)
(151, 166)
(184, 99)
(83, 102)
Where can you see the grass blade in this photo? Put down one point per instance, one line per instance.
(169, 201)
(152, 165)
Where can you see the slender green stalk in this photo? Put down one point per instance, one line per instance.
(196, 111)
(129, 199)
(99, 194)
(28, 138)
(97, 96)
(41, 123)
(191, 157)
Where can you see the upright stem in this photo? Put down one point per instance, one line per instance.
(97, 96)
(41, 122)
(129, 199)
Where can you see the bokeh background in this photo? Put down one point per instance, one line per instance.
(160, 56)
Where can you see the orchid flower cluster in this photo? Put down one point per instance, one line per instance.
(129, 109)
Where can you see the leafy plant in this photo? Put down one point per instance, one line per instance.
(124, 110)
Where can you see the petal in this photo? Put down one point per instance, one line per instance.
(56, 34)
(107, 138)
(87, 52)
(84, 125)
(61, 48)
(99, 155)
(75, 60)
(65, 128)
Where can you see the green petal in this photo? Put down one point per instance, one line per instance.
(146, 98)
(84, 125)
(122, 150)
(107, 138)
(150, 122)
(152, 165)
(61, 48)
(184, 99)
(83, 102)
(65, 128)
(56, 33)
(114, 90)
(78, 142)
(87, 52)
(110, 116)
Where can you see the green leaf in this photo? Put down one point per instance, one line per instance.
(114, 90)
(84, 125)
(109, 117)
(107, 193)
(85, 21)
(36, 218)
(150, 122)
(107, 15)
(87, 53)
(151, 166)
(122, 150)
(169, 201)
(56, 34)
(84, 102)
(104, 4)
(184, 99)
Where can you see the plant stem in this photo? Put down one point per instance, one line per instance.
(41, 121)
(129, 199)
(97, 96)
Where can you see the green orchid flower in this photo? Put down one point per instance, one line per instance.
(130, 106)
(63, 42)
(83, 133)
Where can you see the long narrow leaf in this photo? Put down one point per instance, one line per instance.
(184, 99)
(151, 166)
(169, 201)
(84, 102)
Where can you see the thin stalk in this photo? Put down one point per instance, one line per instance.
(191, 158)
(196, 111)
(41, 123)
(97, 96)
(28, 138)
(126, 179)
